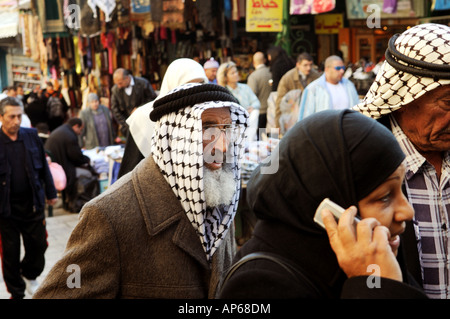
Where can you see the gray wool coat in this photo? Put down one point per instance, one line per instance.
(135, 241)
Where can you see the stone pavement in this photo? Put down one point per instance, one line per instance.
(59, 228)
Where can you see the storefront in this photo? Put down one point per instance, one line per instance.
(372, 23)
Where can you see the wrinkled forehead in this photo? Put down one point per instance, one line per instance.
(216, 116)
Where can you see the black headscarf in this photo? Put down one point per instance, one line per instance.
(342, 155)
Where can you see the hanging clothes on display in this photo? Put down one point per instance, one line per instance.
(140, 10)
(390, 6)
(109, 43)
(440, 5)
(89, 23)
(107, 6)
(311, 6)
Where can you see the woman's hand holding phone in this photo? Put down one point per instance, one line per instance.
(359, 246)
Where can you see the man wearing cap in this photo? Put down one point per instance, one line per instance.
(411, 96)
(211, 67)
(166, 229)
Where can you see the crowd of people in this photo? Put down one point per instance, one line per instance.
(383, 157)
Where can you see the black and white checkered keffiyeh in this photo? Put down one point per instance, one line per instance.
(417, 62)
(177, 148)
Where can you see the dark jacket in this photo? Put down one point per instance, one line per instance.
(261, 279)
(37, 170)
(65, 150)
(122, 104)
(135, 241)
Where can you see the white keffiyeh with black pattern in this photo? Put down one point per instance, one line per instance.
(177, 148)
(423, 50)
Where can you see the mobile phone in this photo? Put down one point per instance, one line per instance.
(334, 208)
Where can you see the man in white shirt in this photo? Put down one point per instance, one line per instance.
(330, 91)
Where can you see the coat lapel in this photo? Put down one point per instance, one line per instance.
(160, 209)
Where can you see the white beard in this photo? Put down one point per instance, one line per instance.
(219, 186)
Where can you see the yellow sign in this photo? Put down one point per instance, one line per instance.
(264, 16)
(328, 23)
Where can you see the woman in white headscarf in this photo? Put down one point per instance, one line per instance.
(180, 71)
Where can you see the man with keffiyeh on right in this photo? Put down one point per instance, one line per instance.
(411, 96)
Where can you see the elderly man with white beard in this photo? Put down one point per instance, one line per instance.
(164, 230)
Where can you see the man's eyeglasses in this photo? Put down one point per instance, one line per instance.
(339, 68)
(212, 132)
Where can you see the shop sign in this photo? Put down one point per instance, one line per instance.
(328, 23)
(362, 9)
(264, 16)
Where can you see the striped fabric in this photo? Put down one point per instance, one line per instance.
(430, 197)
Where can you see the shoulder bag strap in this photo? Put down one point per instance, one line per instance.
(292, 270)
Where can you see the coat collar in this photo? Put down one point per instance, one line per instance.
(161, 209)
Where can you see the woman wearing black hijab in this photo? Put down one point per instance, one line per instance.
(354, 161)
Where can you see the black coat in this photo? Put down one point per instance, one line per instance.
(65, 150)
(38, 172)
(122, 104)
(263, 279)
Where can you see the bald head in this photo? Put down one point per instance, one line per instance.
(331, 60)
(121, 78)
(258, 58)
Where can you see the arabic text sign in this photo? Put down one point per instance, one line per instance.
(264, 16)
(328, 23)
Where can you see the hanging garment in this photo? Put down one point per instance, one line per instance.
(205, 14)
(140, 10)
(107, 6)
(89, 24)
(301, 6)
(321, 6)
(390, 6)
(441, 5)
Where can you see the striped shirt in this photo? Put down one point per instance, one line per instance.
(430, 197)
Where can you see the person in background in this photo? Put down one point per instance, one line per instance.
(228, 76)
(411, 96)
(11, 91)
(36, 107)
(138, 145)
(211, 67)
(166, 229)
(362, 164)
(259, 82)
(330, 91)
(56, 106)
(127, 94)
(279, 62)
(297, 78)
(65, 150)
(26, 182)
(97, 130)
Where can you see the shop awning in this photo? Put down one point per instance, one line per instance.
(9, 18)
(9, 24)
